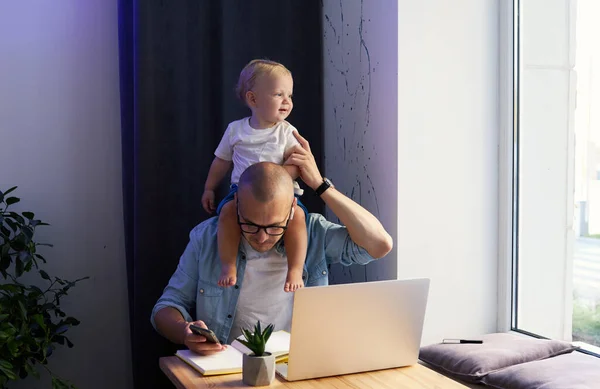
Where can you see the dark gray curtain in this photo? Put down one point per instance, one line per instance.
(179, 65)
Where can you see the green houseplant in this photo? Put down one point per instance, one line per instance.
(258, 368)
(31, 321)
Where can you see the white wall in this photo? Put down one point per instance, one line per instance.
(448, 136)
(412, 132)
(60, 143)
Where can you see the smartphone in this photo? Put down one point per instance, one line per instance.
(208, 334)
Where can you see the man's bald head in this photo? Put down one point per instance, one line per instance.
(265, 198)
(266, 182)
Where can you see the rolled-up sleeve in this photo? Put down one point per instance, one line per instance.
(340, 248)
(180, 293)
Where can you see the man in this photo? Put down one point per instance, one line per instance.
(265, 204)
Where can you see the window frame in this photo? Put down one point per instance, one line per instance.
(508, 209)
(508, 167)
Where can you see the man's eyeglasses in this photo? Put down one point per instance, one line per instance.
(251, 228)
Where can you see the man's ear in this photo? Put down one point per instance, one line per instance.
(293, 208)
(251, 98)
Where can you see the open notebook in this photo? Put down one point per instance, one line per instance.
(230, 360)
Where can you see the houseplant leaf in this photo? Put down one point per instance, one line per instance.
(31, 321)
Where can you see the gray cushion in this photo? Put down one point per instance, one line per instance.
(472, 362)
(571, 371)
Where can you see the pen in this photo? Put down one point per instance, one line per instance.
(462, 341)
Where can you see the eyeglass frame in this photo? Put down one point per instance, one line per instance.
(237, 209)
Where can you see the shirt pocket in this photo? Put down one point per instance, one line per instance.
(272, 152)
(318, 275)
(208, 299)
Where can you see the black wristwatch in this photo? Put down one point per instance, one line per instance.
(324, 186)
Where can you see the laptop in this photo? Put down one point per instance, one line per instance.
(351, 328)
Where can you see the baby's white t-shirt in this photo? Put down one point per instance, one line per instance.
(246, 146)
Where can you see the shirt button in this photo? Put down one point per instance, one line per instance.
(243, 256)
(324, 272)
(201, 290)
(237, 287)
(229, 316)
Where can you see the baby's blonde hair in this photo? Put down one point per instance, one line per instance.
(252, 71)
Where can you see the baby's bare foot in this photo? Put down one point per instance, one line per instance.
(228, 276)
(293, 280)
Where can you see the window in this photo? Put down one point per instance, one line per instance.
(556, 210)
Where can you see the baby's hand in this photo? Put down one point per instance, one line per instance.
(208, 201)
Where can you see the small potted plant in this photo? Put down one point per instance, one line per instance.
(258, 368)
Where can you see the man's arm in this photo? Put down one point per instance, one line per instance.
(364, 228)
(170, 315)
(171, 324)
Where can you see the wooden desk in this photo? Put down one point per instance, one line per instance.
(412, 377)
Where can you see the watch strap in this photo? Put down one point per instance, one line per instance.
(323, 187)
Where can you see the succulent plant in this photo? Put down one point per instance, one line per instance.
(257, 340)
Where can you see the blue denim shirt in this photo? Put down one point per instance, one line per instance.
(195, 280)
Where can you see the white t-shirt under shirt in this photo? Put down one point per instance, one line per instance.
(246, 146)
(262, 296)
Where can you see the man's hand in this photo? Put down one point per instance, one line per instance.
(198, 343)
(363, 227)
(302, 157)
(208, 201)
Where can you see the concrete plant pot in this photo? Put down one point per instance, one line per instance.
(258, 371)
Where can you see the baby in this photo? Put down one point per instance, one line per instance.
(266, 88)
